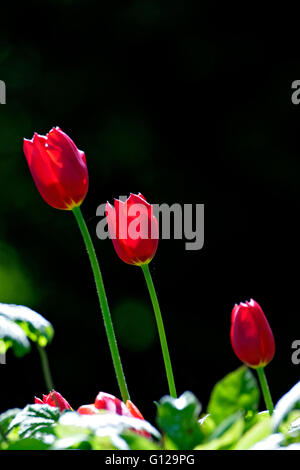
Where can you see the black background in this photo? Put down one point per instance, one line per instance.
(186, 106)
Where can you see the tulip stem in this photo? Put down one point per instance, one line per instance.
(45, 367)
(103, 304)
(265, 389)
(161, 330)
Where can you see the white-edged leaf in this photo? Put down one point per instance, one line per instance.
(178, 419)
(5, 419)
(35, 420)
(103, 425)
(106, 427)
(226, 434)
(270, 443)
(289, 401)
(12, 335)
(261, 430)
(295, 426)
(35, 326)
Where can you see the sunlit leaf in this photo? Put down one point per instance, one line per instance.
(287, 403)
(27, 444)
(36, 421)
(261, 430)
(105, 425)
(12, 335)
(76, 441)
(5, 419)
(226, 434)
(178, 418)
(138, 442)
(237, 391)
(294, 422)
(36, 327)
(270, 443)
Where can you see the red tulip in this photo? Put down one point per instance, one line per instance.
(58, 168)
(54, 399)
(251, 336)
(110, 403)
(105, 401)
(133, 229)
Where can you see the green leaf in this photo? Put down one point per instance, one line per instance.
(36, 421)
(261, 430)
(226, 434)
(27, 444)
(178, 418)
(294, 446)
(272, 442)
(77, 441)
(12, 335)
(293, 422)
(84, 442)
(108, 427)
(286, 404)
(287, 436)
(5, 419)
(237, 391)
(226, 425)
(36, 327)
(207, 425)
(137, 442)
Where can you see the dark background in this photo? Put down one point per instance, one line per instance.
(177, 103)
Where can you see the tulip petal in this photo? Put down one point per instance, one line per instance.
(58, 168)
(251, 336)
(133, 229)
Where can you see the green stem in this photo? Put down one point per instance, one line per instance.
(265, 389)
(103, 304)
(45, 367)
(161, 330)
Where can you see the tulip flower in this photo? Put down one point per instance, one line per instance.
(251, 336)
(253, 341)
(60, 173)
(111, 404)
(133, 229)
(107, 402)
(134, 232)
(54, 399)
(58, 169)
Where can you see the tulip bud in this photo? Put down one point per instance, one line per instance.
(251, 336)
(54, 399)
(133, 229)
(58, 169)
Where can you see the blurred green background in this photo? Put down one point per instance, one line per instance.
(166, 99)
